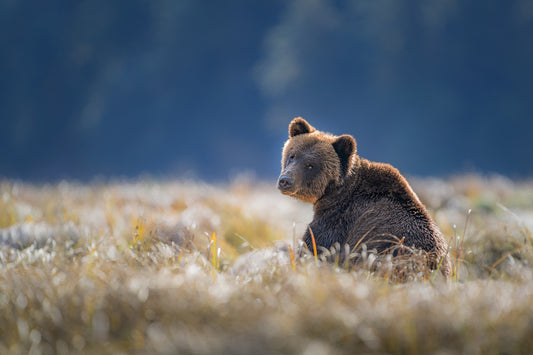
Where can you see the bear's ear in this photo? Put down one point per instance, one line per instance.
(299, 126)
(345, 147)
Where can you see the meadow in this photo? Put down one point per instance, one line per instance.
(162, 266)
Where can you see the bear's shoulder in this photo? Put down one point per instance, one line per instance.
(384, 180)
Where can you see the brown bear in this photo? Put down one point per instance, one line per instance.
(356, 201)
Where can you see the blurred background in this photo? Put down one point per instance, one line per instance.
(206, 89)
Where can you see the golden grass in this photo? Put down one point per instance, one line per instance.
(181, 267)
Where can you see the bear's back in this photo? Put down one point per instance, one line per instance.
(377, 207)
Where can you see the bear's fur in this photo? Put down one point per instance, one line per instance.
(356, 201)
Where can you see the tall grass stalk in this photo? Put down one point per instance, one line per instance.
(314, 245)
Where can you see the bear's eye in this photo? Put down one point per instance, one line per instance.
(309, 166)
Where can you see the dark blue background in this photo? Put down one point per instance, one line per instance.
(207, 88)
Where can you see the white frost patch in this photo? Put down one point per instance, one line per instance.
(258, 260)
(25, 234)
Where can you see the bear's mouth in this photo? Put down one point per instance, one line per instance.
(296, 193)
(288, 192)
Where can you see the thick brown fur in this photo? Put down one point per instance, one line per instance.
(356, 201)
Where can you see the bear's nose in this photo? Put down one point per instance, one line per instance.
(284, 183)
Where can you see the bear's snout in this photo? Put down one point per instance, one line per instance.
(285, 183)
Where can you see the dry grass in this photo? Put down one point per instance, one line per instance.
(181, 267)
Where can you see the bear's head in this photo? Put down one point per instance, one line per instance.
(312, 161)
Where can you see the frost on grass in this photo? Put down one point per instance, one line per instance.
(181, 267)
(23, 235)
